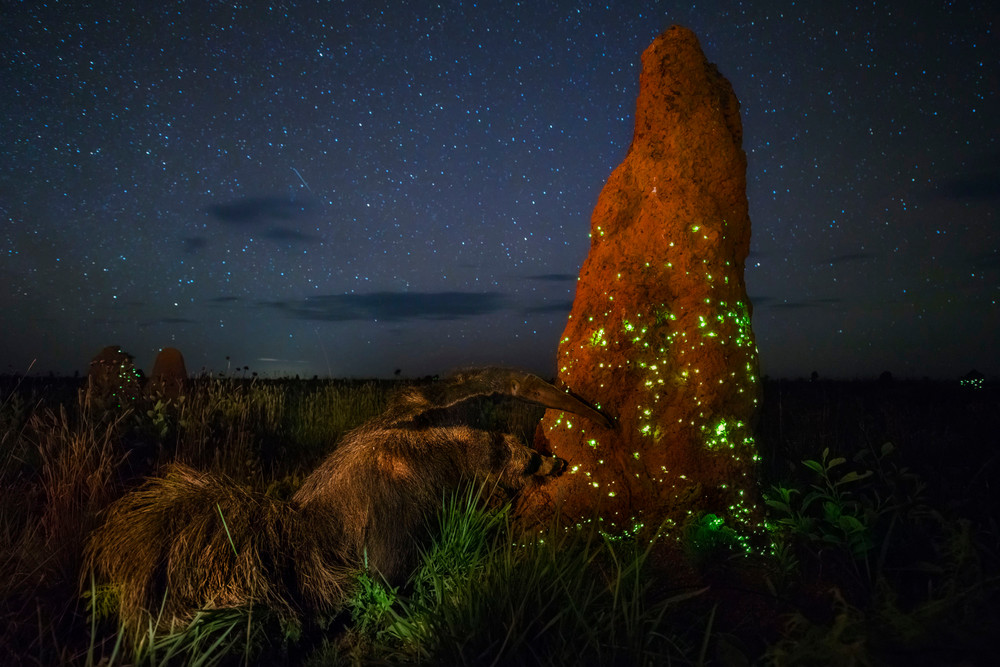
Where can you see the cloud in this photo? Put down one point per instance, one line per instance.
(791, 305)
(290, 235)
(555, 307)
(980, 185)
(393, 306)
(193, 244)
(850, 257)
(254, 210)
(168, 320)
(553, 277)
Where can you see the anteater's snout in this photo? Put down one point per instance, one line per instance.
(551, 466)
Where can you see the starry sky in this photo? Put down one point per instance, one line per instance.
(359, 187)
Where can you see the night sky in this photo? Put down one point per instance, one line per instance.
(351, 188)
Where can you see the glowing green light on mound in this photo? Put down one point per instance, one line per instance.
(664, 359)
(728, 434)
(597, 338)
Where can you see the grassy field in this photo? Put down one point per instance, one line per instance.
(880, 496)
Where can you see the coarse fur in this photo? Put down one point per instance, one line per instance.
(188, 540)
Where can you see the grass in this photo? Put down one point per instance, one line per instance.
(886, 546)
(486, 594)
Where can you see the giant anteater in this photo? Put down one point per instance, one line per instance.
(188, 540)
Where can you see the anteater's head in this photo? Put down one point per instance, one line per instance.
(528, 387)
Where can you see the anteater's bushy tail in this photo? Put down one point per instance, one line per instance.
(188, 540)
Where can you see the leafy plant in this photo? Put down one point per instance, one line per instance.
(371, 605)
(831, 512)
(836, 513)
(708, 537)
(163, 416)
